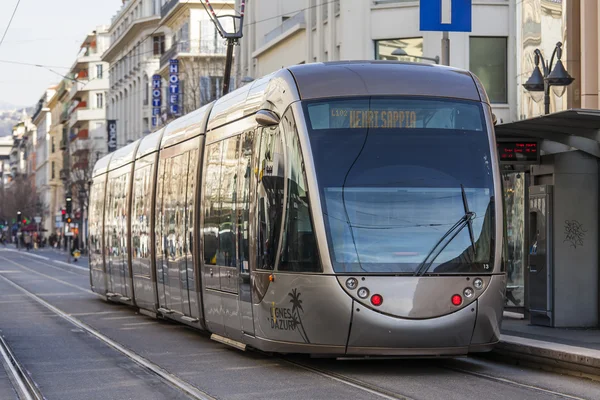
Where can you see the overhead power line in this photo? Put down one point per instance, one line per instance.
(10, 22)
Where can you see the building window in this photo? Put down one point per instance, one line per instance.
(410, 49)
(488, 61)
(53, 172)
(99, 71)
(158, 43)
(146, 90)
(99, 100)
(53, 145)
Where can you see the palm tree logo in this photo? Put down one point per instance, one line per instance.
(296, 318)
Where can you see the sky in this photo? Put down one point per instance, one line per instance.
(48, 32)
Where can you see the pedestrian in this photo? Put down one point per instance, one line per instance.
(75, 247)
(27, 240)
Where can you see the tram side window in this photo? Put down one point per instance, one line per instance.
(245, 174)
(191, 194)
(270, 196)
(140, 227)
(159, 216)
(299, 250)
(226, 255)
(211, 204)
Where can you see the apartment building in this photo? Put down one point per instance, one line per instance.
(42, 119)
(136, 44)
(278, 33)
(195, 56)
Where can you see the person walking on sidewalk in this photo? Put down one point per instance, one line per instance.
(75, 248)
(27, 240)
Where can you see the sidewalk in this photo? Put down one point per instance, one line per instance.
(564, 349)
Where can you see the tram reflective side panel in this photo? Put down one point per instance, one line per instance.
(96, 240)
(176, 194)
(226, 230)
(141, 213)
(116, 232)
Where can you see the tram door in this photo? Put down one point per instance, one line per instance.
(226, 234)
(174, 231)
(246, 190)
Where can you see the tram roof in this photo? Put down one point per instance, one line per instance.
(123, 156)
(186, 127)
(369, 78)
(243, 101)
(101, 166)
(149, 144)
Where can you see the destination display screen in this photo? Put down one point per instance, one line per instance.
(394, 113)
(376, 118)
(518, 151)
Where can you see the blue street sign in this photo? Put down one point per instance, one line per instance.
(445, 15)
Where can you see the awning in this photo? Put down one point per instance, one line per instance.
(577, 128)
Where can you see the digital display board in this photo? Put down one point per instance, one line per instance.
(518, 152)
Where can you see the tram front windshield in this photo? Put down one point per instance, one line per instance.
(395, 174)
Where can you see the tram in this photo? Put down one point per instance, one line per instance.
(340, 209)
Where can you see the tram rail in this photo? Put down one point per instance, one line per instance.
(22, 383)
(374, 389)
(168, 378)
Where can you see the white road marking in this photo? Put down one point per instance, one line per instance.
(70, 265)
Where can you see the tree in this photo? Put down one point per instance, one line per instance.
(19, 196)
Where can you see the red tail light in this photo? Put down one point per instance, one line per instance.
(456, 300)
(376, 300)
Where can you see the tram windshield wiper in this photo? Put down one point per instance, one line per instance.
(465, 221)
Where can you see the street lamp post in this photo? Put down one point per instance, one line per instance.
(554, 75)
(401, 52)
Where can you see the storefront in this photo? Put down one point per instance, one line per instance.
(550, 176)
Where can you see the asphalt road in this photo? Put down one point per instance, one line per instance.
(67, 362)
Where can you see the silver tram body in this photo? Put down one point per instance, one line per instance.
(323, 228)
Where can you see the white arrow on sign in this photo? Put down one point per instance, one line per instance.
(446, 11)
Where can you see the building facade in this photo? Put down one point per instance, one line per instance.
(136, 44)
(42, 119)
(57, 108)
(195, 55)
(279, 33)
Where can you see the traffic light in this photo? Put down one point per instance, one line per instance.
(69, 205)
(69, 220)
(18, 216)
(63, 212)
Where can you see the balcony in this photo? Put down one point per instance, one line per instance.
(287, 25)
(195, 48)
(80, 146)
(82, 134)
(83, 114)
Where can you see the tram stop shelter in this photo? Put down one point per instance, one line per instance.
(550, 168)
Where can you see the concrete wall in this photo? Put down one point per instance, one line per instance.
(575, 178)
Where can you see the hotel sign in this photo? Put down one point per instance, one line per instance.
(174, 87)
(156, 99)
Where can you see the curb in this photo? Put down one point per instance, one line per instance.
(555, 356)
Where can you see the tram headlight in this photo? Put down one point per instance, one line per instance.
(351, 283)
(478, 283)
(363, 293)
(468, 292)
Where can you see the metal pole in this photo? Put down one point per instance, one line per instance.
(228, 63)
(546, 97)
(445, 49)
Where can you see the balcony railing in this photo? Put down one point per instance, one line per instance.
(195, 48)
(284, 27)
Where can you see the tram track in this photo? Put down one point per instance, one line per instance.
(168, 378)
(374, 389)
(22, 383)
